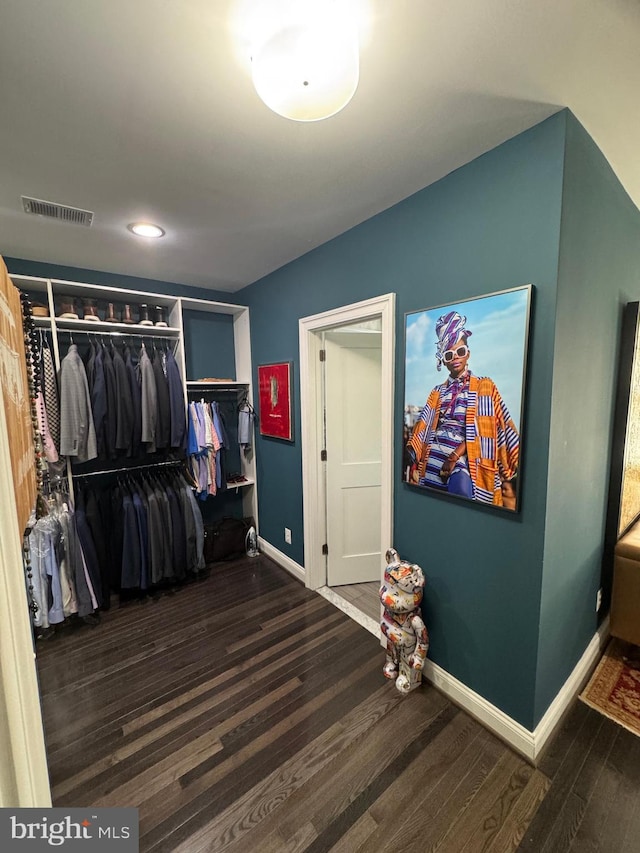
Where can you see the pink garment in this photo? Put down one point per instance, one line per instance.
(211, 468)
(212, 438)
(50, 452)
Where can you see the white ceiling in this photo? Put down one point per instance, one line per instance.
(144, 109)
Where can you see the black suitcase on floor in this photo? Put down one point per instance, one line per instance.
(225, 539)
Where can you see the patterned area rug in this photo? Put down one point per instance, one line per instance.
(614, 689)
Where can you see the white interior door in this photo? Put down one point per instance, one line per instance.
(353, 440)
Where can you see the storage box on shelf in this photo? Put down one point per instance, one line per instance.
(101, 309)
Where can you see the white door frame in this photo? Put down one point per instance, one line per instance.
(313, 486)
(24, 778)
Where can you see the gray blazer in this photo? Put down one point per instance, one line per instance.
(77, 431)
(149, 400)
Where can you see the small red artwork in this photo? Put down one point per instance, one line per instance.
(274, 382)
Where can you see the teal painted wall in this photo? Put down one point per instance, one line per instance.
(491, 225)
(209, 345)
(599, 273)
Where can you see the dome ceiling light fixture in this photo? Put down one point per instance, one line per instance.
(146, 229)
(309, 70)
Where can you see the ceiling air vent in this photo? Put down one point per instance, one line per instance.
(57, 211)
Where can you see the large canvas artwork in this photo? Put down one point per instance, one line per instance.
(465, 366)
(623, 506)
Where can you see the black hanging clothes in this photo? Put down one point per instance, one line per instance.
(142, 511)
(99, 533)
(131, 575)
(168, 570)
(116, 533)
(156, 537)
(189, 530)
(124, 410)
(136, 401)
(88, 549)
(176, 403)
(178, 538)
(111, 418)
(90, 364)
(163, 429)
(142, 532)
(99, 401)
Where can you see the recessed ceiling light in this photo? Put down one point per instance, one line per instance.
(146, 229)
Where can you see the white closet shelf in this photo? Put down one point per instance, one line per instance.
(242, 485)
(217, 383)
(189, 304)
(79, 290)
(68, 325)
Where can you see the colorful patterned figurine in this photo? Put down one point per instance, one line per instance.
(402, 625)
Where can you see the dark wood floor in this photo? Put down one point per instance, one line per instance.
(244, 713)
(365, 596)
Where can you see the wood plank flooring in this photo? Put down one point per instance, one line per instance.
(244, 713)
(365, 596)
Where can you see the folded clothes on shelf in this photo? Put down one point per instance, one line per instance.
(236, 478)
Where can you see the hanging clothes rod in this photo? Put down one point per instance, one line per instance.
(202, 392)
(136, 334)
(173, 462)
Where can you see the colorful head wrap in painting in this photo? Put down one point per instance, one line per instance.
(449, 329)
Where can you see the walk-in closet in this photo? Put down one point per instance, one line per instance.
(142, 422)
(145, 438)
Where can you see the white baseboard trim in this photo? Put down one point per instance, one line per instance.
(571, 688)
(489, 715)
(286, 562)
(528, 743)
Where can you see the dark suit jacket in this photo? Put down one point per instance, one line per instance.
(136, 400)
(163, 429)
(176, 404)
(124, 404)
(111, 418)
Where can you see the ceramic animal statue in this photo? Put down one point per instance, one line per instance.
(402, 625)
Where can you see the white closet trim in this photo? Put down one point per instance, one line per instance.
(24, 779)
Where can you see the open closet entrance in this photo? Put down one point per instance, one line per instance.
(346, 380)
(114, 530)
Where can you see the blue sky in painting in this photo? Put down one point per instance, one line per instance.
(498, 323)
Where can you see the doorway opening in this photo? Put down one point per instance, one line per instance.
(347, 381)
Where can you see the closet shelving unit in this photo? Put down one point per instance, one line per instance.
(50, 291)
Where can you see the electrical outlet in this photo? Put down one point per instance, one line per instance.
(287, 536)
(599, 599)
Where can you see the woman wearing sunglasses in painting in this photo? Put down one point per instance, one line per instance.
(464, 441)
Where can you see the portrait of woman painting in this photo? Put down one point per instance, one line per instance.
(465, 366)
